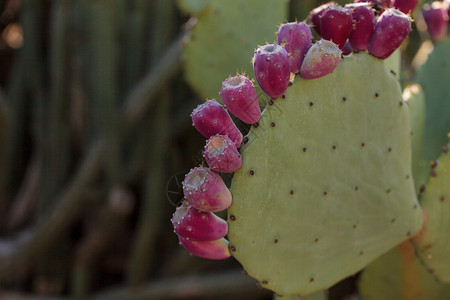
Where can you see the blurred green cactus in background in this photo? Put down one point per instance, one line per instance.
(95, 134)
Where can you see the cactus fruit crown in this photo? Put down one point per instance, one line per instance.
(323, 184)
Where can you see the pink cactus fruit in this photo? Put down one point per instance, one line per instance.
(363, 24)
(272, 67)
(391, 28)
(218, 249)
(295, 37)
(436, 18)
(190, 223)
(322, 58)
(239, 96)
(336, 24)
(406, 6)
(348, 48)
(210, 118)
(222, 155)
(205, 190)
(316, 15)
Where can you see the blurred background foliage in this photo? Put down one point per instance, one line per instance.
(95, 97)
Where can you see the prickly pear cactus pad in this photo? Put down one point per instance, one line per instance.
(415, 98)
(434, 76)
(225, 34)
(326, 184)
(434, 243)
(399, 275)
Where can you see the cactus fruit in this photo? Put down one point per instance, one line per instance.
(218, 249)
(341, 192)
(363, 22)
(347, 49)
(391, 28)
(436, 18)
(316, 15)
(205, 190)
(399, 275)
(239, 96)
(222, 155)
(433, 243)
(211, 118)
(272, 67)
(190, 223)
(213, 51)
(406, 6)
(336, 24)
(322, 58)
(295, 37)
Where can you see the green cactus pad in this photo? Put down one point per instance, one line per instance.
(434, 76)
(393, 63)
(415, 98)
(399, 275)
(321, 295)
(326, 184)
(224, 38)
(434, 243)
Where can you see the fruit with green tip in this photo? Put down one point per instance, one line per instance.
(272, 67)
(391, 28)
(436, 18)
(363, 23)
(322, 58)
(218, 249)
(205, 190)
(336, 24)
(222, 155)
(190, 223)
(295, 37)
(239, 96)
(211, 118)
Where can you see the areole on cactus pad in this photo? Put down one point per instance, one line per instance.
(326, 184)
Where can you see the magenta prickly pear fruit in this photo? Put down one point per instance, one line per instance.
(188, 222)
(218, 249)
(436, 18)
(391, 28)
(348, 48)
(239, 96)
(336, 24)
(272, 67)
(363, 23)
(316, 15)
(205, 190)
(405, 6)
(210, 118)
(295, 37)
(322, 58)
(222, 155)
